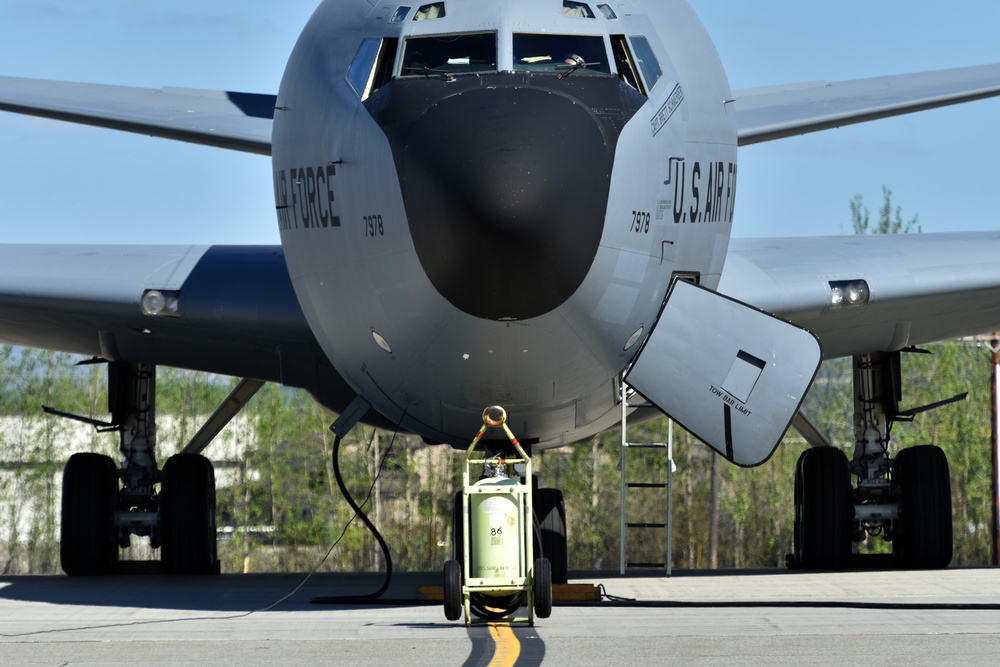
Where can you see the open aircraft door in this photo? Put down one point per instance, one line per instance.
(732, 375)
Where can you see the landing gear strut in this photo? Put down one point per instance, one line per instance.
(906, 500)
(103, 504)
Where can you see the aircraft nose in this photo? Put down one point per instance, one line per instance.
(505, 192)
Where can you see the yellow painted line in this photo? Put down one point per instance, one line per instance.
(508, 648)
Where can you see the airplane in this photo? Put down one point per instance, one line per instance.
(524, 203)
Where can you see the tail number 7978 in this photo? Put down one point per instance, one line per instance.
(640, 222)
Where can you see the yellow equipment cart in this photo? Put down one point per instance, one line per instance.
(494, 572)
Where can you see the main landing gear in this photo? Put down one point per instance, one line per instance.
(906, 499)
(104, 504)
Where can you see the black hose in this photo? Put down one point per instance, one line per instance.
(339, 599)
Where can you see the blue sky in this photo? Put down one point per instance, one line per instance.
(74, 184)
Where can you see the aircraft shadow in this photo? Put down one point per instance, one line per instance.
(223, 593)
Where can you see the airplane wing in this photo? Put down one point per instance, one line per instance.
(921, 287)
(765, 114)
(236, 312)
(242, 121)
(238, 121)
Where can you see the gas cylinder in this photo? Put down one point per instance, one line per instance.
(495, 532)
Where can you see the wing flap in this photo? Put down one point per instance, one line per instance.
(923, 287)
(765, 114)
(237, 121)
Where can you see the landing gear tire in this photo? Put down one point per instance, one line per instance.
(550, 515)
(452, 590)
(922, 482)
(543, 588)
(823, 510)
(87, 545)
(187, 516)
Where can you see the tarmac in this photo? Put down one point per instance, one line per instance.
(773, 617)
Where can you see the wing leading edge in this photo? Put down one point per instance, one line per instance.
(237, 121)
(765, 114)
(237, 313)
(923, 287)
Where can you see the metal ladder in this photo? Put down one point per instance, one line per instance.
(667, 486)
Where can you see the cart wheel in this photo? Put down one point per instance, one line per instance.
(452, 590)
(543, 588)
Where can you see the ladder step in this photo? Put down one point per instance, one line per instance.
(646, 445)
(645, 525)
(645, 564)
(646, 485)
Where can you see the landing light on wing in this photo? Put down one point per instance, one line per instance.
(849, 293)
(160, 302)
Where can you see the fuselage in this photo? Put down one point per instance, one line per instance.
(484, 201)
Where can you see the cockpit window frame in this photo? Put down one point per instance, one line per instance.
(554, 52)
(648, 64)
(430, 12)
(359, 73)
(451, 66)
(608, 12)
(399, 15)
(372, 65)
(625, 63)
(577, 10)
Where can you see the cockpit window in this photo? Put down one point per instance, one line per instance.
(576, 54)
(648, 63)
(449, 54)
(400, 14)
(625, 63)
(608, 12)
(435, 10)
(372, 65)
(360, 72)
(577, 9)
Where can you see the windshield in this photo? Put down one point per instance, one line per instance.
(576, 54)
(449, 54)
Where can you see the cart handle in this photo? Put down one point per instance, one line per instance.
(493, 417)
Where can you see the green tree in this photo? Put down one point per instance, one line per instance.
(889, 221)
